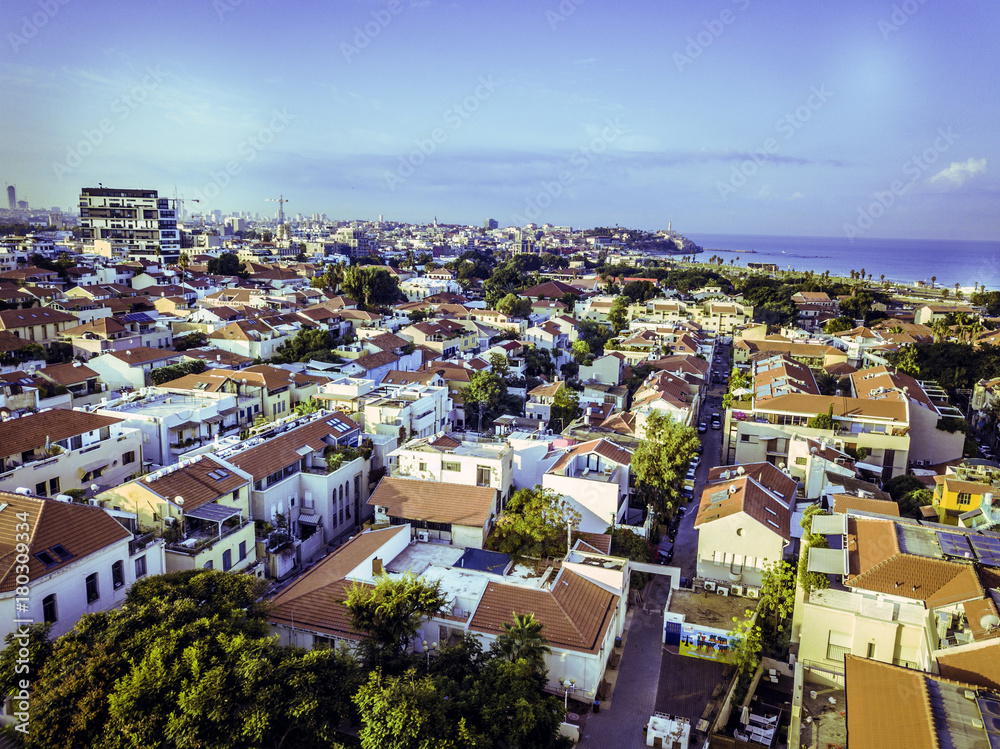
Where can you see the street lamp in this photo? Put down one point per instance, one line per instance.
(428, 647)
(568, 685)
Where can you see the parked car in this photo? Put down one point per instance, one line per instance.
(702, 427)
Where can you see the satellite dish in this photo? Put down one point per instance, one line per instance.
(733, 489)
(94, 487)
(740, 470)
(990, 621)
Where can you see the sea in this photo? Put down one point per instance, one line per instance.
(899, 260)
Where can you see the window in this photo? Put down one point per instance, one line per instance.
(800, 461)
(118, 574)
(423, 466)
(744, 438)
(92, 591)
(128, 457)
(209, 565)
(838, 645)
(871, 651)
(448, 465)
(140, 567)
(482, 475)
(53, 486)
(964, 498)
(49, 612)
(243, 549)
(40, 488)
(227, 559)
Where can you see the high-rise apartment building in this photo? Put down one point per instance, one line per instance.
(129, 223)
(11, 197)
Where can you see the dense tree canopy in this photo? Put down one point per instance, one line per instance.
(534, 524)
(175, 371)
(390, 612)
(371, 286)
(226, 264)
(660, 461)
(187, 662)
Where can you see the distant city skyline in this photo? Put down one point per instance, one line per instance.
(859, 119)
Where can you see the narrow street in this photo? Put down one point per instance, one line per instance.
(686, 543)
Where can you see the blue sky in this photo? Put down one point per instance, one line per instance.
(735, 116)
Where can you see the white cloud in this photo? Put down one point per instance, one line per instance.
(958, 172)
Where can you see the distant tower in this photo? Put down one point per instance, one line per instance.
(11, 197)
(670, 227)
(435, 222)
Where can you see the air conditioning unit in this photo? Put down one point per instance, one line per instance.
(709, 585)
(722, 590)
(736, 590)
(753, 592)
(423, 536)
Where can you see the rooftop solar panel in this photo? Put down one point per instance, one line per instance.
(954, 544)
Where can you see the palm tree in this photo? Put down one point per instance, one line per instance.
(933, 280)
(523, 641)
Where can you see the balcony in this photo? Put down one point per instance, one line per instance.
(200, 534)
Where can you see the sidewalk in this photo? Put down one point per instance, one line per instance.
(633, 696)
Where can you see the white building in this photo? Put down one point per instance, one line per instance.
(81, 560)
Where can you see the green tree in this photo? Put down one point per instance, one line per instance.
(838, 325)
(640, 291)
(390, 613)
(661, 459)
(625, 543)
(499, 365)
(371, 286)
(306, 345)
(191, 340)
(226, 264)
(514, 306)
(176, 371)
(404, 712)
(618, 315)
(565, 408)
(187, 661)
(534, 524)
(581, 352)
(522, 640)
(485, 398)
(505, 279)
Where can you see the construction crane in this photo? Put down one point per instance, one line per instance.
(179, 205)
(281, 207)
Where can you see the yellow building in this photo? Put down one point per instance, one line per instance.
(954, 495)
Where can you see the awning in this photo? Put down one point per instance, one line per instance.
(870, 467)
(184, 425)
(213, 512)
(89, 468)
(829, 525)
(311, 519)
(214, 419)
(827, 561)
(227, 411)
